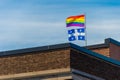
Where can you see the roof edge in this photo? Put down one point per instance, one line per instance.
(34, 49)
(57, 46)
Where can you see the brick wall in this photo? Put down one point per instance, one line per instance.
(35, 61)
(114, 51)
(94, 66)
(103, 51)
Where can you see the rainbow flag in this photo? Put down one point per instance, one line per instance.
(77, 21)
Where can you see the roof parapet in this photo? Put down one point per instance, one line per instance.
(110, 40)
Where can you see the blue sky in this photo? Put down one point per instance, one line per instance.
(32, 23)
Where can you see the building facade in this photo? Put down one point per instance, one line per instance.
(62, 62)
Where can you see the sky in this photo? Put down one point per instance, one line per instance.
(32, 23)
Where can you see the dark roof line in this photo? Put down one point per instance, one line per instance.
(34, 49)
(57, 46)
(45, 48)
(89, 52)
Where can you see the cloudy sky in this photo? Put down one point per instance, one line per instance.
(32, 23)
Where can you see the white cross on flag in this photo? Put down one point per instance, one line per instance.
(76, 34)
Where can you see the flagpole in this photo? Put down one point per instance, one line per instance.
(85, 32)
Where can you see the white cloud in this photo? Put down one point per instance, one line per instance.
(33, 24)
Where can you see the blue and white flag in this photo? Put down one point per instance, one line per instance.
(76, 34)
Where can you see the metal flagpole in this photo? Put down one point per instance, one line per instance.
(85, 32)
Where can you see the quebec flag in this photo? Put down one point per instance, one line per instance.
(76, 34)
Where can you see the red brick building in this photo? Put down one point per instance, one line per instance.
(62, 62)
